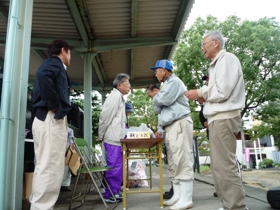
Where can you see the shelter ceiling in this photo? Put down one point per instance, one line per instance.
(126, 36)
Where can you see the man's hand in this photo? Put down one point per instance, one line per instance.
(205, 124)
(53, 110)
(201, 100)
(72, 146)
(192, 94)
(158, 135)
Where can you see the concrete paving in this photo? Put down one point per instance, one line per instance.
(203, 198)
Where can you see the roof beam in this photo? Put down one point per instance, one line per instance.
(134, 15)
(104, 45)
(76, 84)
(181, 18)
(108, 86)
(1, 62)
(167, 52)
(42, 44)
(98, 71)
(102, 71)
(129, 43)
(40, 54)
(132, 64)
(179, 24)
(79, 23)
(3, 13)
(134, 84)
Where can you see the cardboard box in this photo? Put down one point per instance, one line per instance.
(75, 168)
(72, 159)
(27, 185)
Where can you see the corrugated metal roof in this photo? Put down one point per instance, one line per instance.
(51, 19)
(127, 36)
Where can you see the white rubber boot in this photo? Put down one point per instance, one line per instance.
(185, 201)
(175, 197)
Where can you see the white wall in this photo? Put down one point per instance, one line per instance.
(241, 157)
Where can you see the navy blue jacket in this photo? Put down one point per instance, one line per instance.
(51, 89)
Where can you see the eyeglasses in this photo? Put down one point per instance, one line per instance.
(157, 70)
(203, 43)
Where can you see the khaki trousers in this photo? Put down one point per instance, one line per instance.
(50, 139)
(179, 145)
(224, 169)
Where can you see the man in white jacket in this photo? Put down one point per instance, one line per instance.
(112, 122)
(224, 98)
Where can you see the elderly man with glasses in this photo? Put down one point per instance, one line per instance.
(224, 98)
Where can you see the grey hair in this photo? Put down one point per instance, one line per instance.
(120, 79)
(218, 36)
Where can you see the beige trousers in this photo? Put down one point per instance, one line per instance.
(224, 169)
(179, 145)
(50, 139)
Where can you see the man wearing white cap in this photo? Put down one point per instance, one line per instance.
(171, 103)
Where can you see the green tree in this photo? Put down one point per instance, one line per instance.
(96, 109)
(269, 122)
(143, 110)
(255, 43)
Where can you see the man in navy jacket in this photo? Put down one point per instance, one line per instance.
(51, 103)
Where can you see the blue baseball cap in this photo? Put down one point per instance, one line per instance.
(165, 64)
(128, 107)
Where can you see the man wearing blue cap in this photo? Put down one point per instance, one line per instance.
(171, 103)
(128, 110)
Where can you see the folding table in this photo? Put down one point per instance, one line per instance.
(142, 148)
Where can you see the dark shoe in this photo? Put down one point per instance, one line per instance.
(168, 195)
(215, 194)
(65, 188)
(170, 191)
(119, 195)
(112, 200)
(26, 205)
